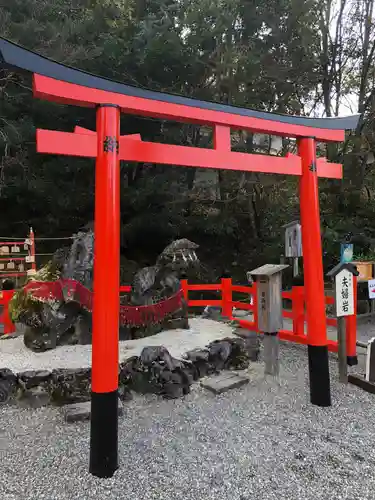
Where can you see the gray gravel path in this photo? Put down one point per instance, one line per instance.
(263, 441)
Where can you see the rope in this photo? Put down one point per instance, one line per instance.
(19, 238)
(55, 239)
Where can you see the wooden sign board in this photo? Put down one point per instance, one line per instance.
(344, 293)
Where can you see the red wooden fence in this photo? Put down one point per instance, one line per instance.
(226, 302)
(296, 313)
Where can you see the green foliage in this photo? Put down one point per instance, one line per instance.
(368, 257)
(23, 302)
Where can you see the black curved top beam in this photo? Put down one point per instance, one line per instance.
(15, 56)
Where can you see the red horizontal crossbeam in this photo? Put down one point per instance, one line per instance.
(303, 339)
(85, 145)
(69, 93)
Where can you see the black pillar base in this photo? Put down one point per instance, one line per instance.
(320, 391)
(352, 360)
(104, 434)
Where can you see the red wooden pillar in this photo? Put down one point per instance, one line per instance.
(351, 330)
(320, 392)
(106, 304)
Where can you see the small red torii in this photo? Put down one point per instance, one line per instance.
(63, 84)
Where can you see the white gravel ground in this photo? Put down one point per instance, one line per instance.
(15, 356)
(263, 441)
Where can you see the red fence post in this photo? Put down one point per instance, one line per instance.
(255, 304)
(298, 310)
(351, 331)
(226, 297)
(185, 290)
(6, 297)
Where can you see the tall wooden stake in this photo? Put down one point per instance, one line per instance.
(341, 339)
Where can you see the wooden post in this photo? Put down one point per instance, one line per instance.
(271, 347)
(344, 275)
(32, 250)
(351, 330)
(341, 340)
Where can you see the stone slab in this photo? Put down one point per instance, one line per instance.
(224, 382)
(79, 412)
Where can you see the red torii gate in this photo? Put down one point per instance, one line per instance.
(59, 83)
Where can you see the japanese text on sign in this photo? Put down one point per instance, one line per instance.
(344, 293)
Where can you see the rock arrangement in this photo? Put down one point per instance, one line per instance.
(55, 305)
(154, 371)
